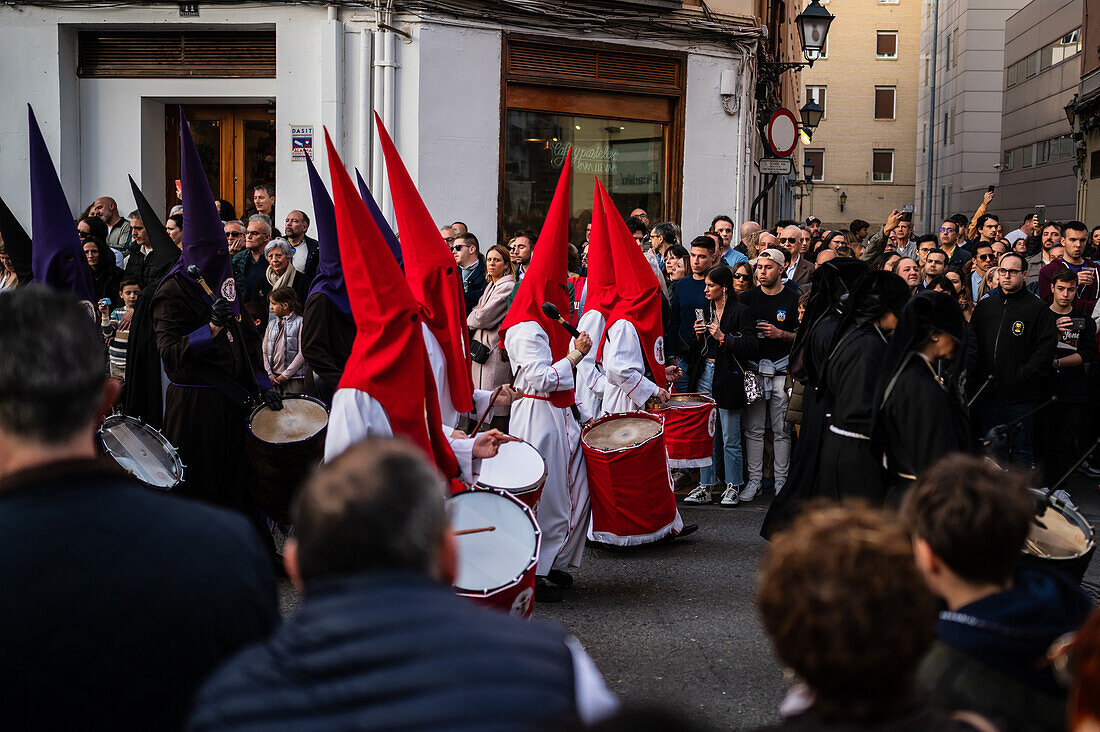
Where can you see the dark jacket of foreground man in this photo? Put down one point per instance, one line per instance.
(393, 650)
(118, 600)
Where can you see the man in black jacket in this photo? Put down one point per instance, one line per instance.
(118, 599)
(1016, 343)
(381, 641)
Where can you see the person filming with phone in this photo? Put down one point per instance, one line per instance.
(1074, 237)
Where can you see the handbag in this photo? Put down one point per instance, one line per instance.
(753, 390)
(479, 352)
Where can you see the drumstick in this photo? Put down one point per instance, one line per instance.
(493, 398)
(464, 532)
(551, 311)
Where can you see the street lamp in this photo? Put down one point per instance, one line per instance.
(843, 199)
(1071, 110)
(813, 27)
(808, 172)
(811, 114)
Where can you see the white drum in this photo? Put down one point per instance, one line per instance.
(141, 451)
(517, 468)
(498, 543)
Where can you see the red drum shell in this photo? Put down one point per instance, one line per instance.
(689, 430)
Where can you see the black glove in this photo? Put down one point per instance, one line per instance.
(272, 400)
(221, 312)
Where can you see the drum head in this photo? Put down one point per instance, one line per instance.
(142, 451)
(490, 560)
(620, 432)
(1064, 534)
(516, 465)
(300, 419)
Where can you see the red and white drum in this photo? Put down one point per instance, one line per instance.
(628, 480)
(689, 430)
(517, 468)
(498, 543)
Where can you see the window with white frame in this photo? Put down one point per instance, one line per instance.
(818, 158)
(882, 166)
(884, 101)
(886, 44)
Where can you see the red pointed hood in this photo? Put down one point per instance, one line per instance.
(545, 279)
(639, 295)
(432, 275)
(602, 292)
(388, 359)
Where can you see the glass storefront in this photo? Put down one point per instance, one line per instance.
(627, 156)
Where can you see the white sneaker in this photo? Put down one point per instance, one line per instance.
(750, 490)
(730, 496)
(700, 494)
(780, 486)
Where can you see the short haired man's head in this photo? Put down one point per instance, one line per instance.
(522, 247)
(973, 517)
(702, 254)
(790, 241)
(379, 506)
(724, 226)
(465, 249)
(1013, 272)
(52, 377)
(263, 198)
(845, 607)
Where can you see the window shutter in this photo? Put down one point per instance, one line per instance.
(884, 103)
(887, 44)
(539, 62)
(244, 53)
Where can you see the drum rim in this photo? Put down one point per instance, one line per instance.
(704, 399)
(522, 489)
(527, 567)
(307, 397)
(177, 462)
(1077, 518)
(660, 418)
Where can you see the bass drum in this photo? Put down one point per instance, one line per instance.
(282, 448)
(1060, 538)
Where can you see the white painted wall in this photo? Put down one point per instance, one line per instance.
(712, 181)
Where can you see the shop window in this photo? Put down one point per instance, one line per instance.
(620, 109)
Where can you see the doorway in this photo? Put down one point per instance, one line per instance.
(236, 145)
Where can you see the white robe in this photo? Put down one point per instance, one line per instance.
(627, 387)
(590, 379)
(564, 509)
(438, 361)
(356, 416)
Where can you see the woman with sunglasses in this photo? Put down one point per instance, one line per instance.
(725, 338)
(742, 277)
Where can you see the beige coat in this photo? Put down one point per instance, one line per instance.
(485, 320)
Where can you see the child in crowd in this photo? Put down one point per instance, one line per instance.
(283, 359)
(116, 326)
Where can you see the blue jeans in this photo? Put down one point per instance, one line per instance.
(681, 385)
(727, 438)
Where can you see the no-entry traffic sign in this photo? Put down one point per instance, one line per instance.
(782, 132)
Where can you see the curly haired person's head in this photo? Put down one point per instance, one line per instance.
(846, 609)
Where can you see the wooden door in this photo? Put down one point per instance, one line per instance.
(236, 145)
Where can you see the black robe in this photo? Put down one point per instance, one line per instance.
(141, 392)
(212, 385)
(919, 422)
(327, 338)
(803, 481)
(850, 466)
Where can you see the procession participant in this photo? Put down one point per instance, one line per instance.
(328, 329)
(376, 214)
(632, 347)
(387, 386)
(57, 256)
(542, 364)
(850, 465)
(601, 294)
(212, 360)
(832, 285)
(152, 255)
(17, 244)
(911, 399)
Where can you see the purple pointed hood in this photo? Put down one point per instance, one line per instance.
(17, 243)
(380, 220)
(330, 276)
(204, 243)
(57, 257)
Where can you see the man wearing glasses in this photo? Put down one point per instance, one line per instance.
(949, 243)
(250, 264)
(799, 271)
(234, 234)
(983, 260)
(465, 249)
(1016, 343)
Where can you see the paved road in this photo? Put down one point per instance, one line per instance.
(675, 625)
